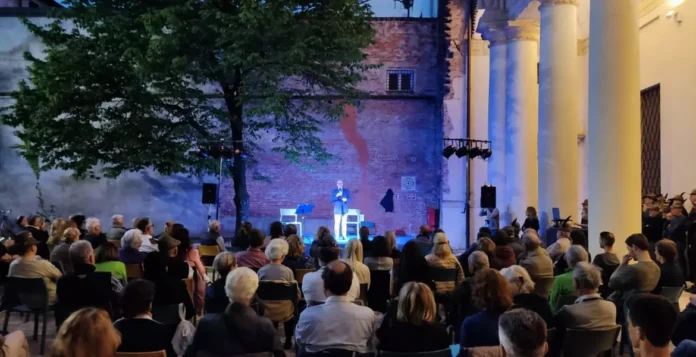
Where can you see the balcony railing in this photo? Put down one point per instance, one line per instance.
(395, 8)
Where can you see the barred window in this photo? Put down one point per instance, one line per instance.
(400, 80)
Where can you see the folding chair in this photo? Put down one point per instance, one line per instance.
(161, 353)
(280, 299)
(208, 254)
(583, 343)
(134, 271)
(354, 219)
(439, 353)
(672, 293)
(27, 296)
(289, 216)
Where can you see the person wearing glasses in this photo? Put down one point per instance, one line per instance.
(149, 244)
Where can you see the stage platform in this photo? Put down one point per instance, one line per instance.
(400, 240)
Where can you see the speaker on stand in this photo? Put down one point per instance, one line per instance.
(488, 196)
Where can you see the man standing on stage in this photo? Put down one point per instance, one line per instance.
(340, 198)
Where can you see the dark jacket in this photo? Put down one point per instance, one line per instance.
(131, 256)
(670, 275)
(144, 335)
(415, 269)
(676, 229)
(216, 300)
(397, 336)
(535, 303)
(608, 262)
(95, 239)
(239, 330)
(532, 223)
(84, 288)
(42, 237)
(652, 228)
(172, 291)
(340, 207)
(294, 263)
(115, 233)
(686, 325)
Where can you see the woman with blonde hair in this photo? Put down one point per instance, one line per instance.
(521, 286)
(443, 258)
(353, 256)
(61, 252)
(391, 242)
(57, 227)
(415, 328)
(87, 333)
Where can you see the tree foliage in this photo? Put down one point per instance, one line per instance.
(127, 85)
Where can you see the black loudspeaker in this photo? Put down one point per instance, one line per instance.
(487, 196)
(209, 193)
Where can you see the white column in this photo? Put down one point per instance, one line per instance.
(521, 165)
(496, 117)
(558, 110)
(614, 122)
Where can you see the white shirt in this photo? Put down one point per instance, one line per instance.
(148, 247)
(313, 287)
(338, 323)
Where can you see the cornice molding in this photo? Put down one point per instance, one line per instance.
(557, 2)
(522, 31)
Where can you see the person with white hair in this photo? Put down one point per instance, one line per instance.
(214, 235)
(443, 258)
(276, 251)
(94, 233)
(522, 333)
(563, 284)
(130, 247)
(590, 311)
(239, 330)
(117, 229)
(523, 296)
(557, 249)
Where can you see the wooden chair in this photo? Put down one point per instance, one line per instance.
(280, 299)
(161, 353)
(208, 254)
(300, 273)
(583, 343)
(116, 242)
(134, 271)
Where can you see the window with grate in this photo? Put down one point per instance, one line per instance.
(400, 80)
(650, 140)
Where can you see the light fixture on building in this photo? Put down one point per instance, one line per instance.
(448, 151)
(467, 148)
(462, 151)
(674, 3)
(673, 14)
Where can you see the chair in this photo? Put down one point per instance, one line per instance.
(116, 242)
(134, 271)
(440, 353)
(565, 300)
(582, 343)
(353, 219)
(378, 294)
(208, 254)
(442, 275)
(289, 216)
(161, 353)
(672, 293)
(543, 286)
(166, 314)
(300, 273)
(26, 296)
(280, 299)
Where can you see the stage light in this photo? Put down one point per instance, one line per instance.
(462, 151)
(475, 151)
(486, 153)
(448, 151)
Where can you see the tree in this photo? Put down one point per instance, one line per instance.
(133, 84)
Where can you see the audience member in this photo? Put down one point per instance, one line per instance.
(353, 256)
(78, 221)
(652, 224)
(380, 257)
(85, 286)
(413, 267)
(676, 230)
(94, 234)
(22, 222)
(464, 257)
(536, 261)
(558, 249)
(686, 323)
(190, 255)
(491, 294)
(117, 229)
(134, 222)
(289, 229)
(28, 265)
(503, 251)
(241, 239)
(296, 258)
(531, 220)
(149, 244)
(666, 257)
(686, 348)
(364, 234)
(313, 283)
(338, 323)
(238, 330)
(487, 246)
(169, 247)
(130, 247)
(522, 333)
(443, 258)
(37, 227)
(461, 296)
(394, 253)
(253, 257)
(521, 287)
(563, 284)
(276, 251)
(641, 277)
(214, 235)
(651, 320)
(107, 261)
(86, 333)
(55, 235)
(139, 332)
(216, 299)
(168, 290)
(513, 234)
(61, 252)
(423, 234)
(607, 261)
(414, 328)
(275, 230)
(590, 311)
(167, 231)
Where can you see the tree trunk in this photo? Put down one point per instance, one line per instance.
(241, 195)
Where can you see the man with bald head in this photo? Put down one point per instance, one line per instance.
(338, 323)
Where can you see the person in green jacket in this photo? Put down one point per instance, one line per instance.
(107, 261)
(563, 284)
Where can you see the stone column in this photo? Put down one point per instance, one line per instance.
(521, 112)
(496, 117)
(614, 122)
(558, 110)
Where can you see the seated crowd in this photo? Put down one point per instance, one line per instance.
(503, 293)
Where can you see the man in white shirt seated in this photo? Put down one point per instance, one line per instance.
(312, 283)
(149, 244)
(338, 323)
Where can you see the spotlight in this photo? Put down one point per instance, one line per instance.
(474, 152)
(448, 151)
(486, 153)
(462, 151)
